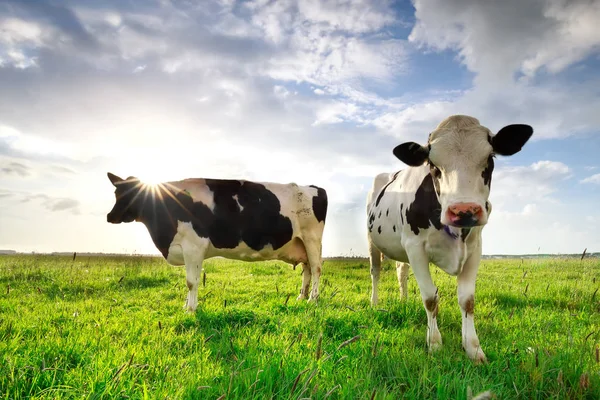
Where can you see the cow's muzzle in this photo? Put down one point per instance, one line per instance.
(464, 215)
(112, 218)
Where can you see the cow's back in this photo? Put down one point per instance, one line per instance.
(255, 220)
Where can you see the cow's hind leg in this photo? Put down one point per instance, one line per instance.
(306, 275)
(313, 251)
(375, 261)
(402, 270)
(193, 257)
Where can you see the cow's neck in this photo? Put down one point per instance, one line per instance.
(159, 214)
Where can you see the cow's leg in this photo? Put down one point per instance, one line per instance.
(193, 257)
(313, 251)
(375, 261)
(466, 300)
(420, 265)
(305, 281)
(402, 272)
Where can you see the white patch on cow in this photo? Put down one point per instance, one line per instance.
(238, 202)
(198, 189)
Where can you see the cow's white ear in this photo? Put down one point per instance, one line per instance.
(411, 153)
(511, 139)
(114, 179)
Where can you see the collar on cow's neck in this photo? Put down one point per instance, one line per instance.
(453, 235)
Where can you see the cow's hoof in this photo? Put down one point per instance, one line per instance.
(313, 298)
(190, 309)
(435, 342)
(435, 347)
(477, 356)
(300, 297)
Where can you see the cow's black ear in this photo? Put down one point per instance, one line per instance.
(115, 180)
(411, 153)
(511, 139)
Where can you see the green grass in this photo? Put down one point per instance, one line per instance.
(115, 328)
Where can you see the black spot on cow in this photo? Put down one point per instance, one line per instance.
(379, 216)
(385, 187)
(487, 206)
(401, 214)
(258, 224)
(425, 209)
(387, 213)
(394, 228)
(464, 233)
(379, 229)
(319, 204)
(371, 219)
(487, 172)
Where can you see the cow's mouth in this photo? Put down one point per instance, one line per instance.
(464, 221)
(464, 215)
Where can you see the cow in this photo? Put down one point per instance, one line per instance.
(434, 212)
(192, 220)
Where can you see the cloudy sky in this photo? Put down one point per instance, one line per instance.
(306, 91)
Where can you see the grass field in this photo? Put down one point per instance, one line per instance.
(115, 328)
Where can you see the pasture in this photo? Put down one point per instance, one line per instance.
(101, 327)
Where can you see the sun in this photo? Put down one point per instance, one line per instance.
(149, 171)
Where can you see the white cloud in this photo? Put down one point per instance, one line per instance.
(497, 39)
(516, 187)
(335, 112)
(592, 179)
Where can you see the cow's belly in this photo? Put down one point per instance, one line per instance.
(292, 252)
(391, 246)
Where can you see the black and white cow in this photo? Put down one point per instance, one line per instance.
(434, 211)
(195, 219)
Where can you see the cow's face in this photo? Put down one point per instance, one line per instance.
(460, 154)
(126, 195)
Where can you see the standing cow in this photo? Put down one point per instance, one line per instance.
(435, 211)
(195, 219)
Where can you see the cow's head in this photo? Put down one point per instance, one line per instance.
(460, 154)
(127, 193)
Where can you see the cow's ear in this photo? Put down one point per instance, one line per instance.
(115, 180)
(411, 153)
(511, 139)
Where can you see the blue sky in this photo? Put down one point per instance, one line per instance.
(306, 91)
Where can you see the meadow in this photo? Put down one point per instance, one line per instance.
(115, 328)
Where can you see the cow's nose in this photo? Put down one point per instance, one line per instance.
(464, 214)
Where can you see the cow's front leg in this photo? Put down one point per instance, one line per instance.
(466, 300)
(193, 257)
(305, 282)
(420, 266)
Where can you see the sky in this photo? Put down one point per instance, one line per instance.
(306, 91)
